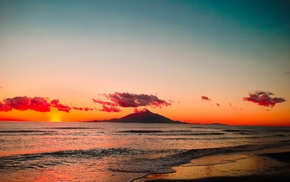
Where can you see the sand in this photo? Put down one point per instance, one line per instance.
(269, 164)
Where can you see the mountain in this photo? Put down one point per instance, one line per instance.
(142, 117)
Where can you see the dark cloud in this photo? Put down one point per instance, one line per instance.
(129, 100)
(205, 98)
(136, 100)
(218, 104)
(264, 98)
(55, 103)
(287, 73)
(26, 103)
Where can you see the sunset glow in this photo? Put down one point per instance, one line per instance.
(192, 61)
(55, 118)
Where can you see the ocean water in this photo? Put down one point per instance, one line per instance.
(84, 151)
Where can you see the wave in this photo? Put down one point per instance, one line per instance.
(164, 164)
(154, 131)
(129, 160)
(26, 132)
(141, 131)
(21, 131)
(259, 130)
(41, 160)
(170, 132)
(72, 128)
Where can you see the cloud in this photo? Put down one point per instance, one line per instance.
(104, 102)
(205, 98)
(264, 98)
(82, 108)
(39, 104)
(26, 103)
(136, 110)
(115, 100)
(4, 107)
(18, 103)
(125, 99)
(107, 106)
(55, 103)
(110, 109)
(78, 108)
(136, 100)
(287, 73)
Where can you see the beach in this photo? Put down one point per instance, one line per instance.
(269, 164)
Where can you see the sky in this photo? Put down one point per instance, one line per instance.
(194, 61)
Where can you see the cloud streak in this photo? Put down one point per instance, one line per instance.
(264, 98)
(82, 108)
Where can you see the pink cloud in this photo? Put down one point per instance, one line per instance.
(136, 110)
(39, 104)
(4, 107)
(110, 109)
(264, 98)
(26, 103)
(55, 103)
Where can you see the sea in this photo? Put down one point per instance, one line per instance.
(116, 152)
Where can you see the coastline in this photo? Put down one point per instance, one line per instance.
(266, 164)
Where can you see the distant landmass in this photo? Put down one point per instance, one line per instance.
(141, 117)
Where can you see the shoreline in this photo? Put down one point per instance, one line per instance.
(265, 164)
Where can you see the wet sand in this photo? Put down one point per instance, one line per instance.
(269, 164)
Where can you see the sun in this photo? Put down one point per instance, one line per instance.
(55, 118)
